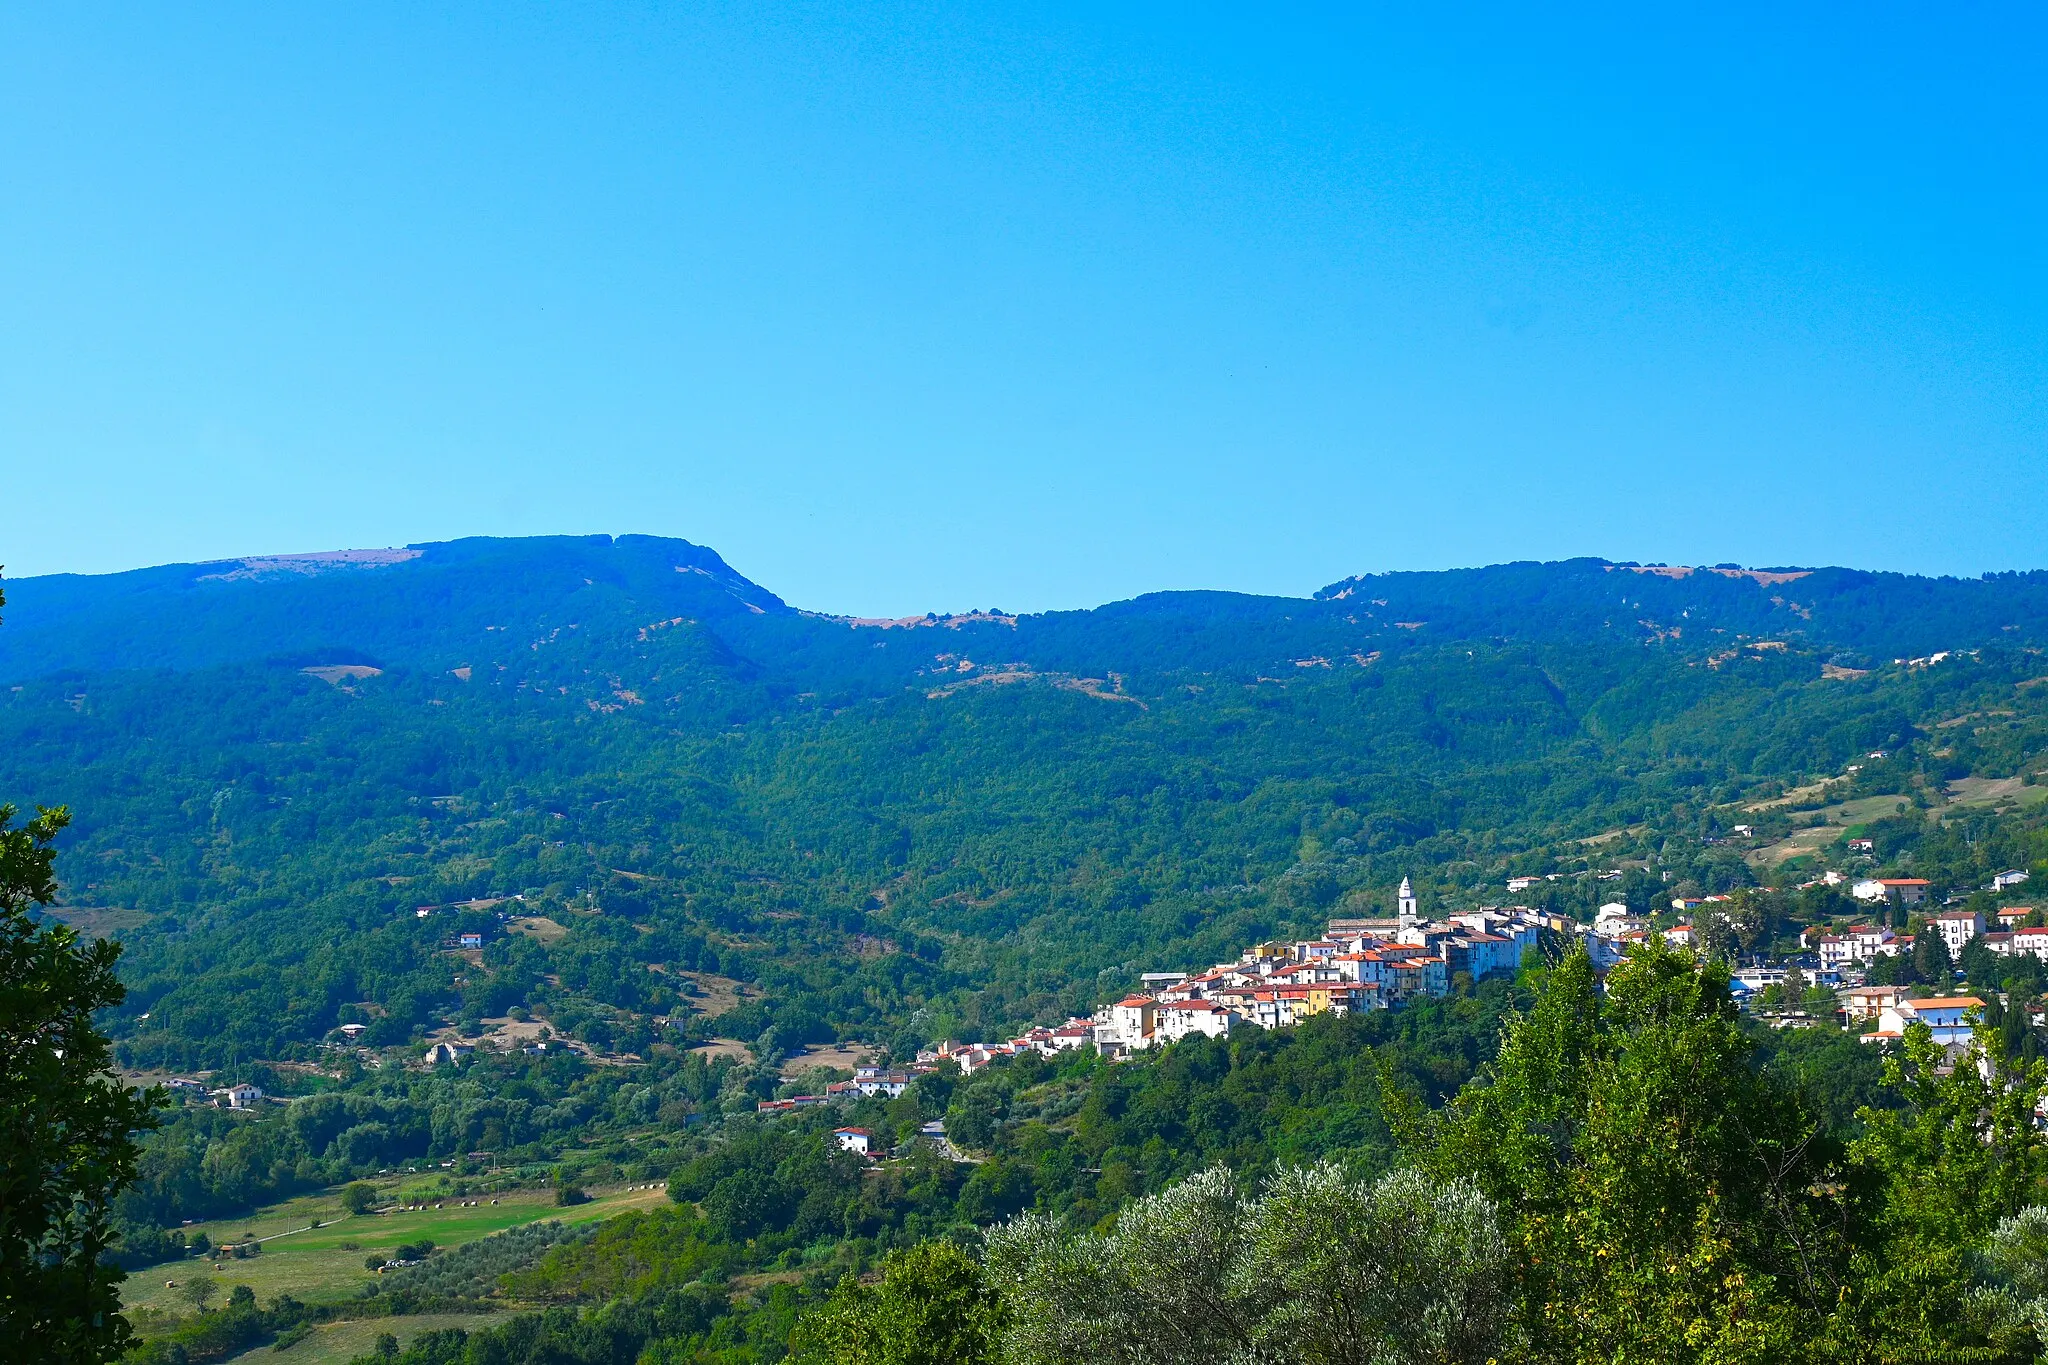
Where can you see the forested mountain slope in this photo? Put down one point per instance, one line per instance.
(912, 828)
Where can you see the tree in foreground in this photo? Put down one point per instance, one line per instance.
(1317, 1269)
(932, 1306)
(66, 1125)
(1664, 1198)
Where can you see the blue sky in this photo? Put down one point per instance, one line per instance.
(906, 308)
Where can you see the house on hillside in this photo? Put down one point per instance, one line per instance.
(1129, 1027)
(242, 1096)
(1897, 890)
(873, 1080)
(1958, 927)
(1343, 997)
(2007, 879)
(1178, 1019)
(1860, 944)
(2028, 943)
(859, 1141)
(1946, 1017)
(1868, 1002)
(447, 1052)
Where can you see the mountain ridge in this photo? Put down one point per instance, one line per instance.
(425, 604)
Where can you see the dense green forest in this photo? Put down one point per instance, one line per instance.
(940, 828)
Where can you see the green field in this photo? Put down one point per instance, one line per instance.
(325, 1264)
(1836, 819)
(337, 1343)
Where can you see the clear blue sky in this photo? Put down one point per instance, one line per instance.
(906, 308)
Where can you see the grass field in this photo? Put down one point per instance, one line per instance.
(1991, 791)
(325, 1264)
(1838, 818)
(337, 1343)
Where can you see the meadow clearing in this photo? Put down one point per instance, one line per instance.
(325, 1263)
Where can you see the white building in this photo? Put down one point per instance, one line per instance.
(1869, 1002)
(872, 1081)
(1179, 1019)
(2006, 879)
(1899, 890)
(1859, 944)
(2028, 943)
(243, 1096)
(1958, 927)
(859, 1141)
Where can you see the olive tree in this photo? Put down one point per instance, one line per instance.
(1316, 1269)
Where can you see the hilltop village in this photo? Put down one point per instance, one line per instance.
(1358, 965)
(1375, 964)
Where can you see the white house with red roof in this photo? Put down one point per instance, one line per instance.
(1897, 890)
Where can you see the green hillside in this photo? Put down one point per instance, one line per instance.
(916, 830)
(702, 833)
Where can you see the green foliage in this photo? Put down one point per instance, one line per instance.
(65, 1126)
(1944, 1172)
(359, 1198)
(219, 1334)
(932, 1306)
(786, 783)
(1658, 1190)
(630, 1256)
(908, 834)
(1316, 1268)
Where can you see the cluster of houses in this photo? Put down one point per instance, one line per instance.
(2005, 934)
(1358, 965)
(867, 1083)
(1946, 1017)
(1375, 964)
